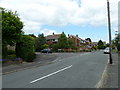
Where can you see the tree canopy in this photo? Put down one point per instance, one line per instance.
(11, 26)
(40, 41)
(62, 41)
(88, 39)
(116, 42)
(101, 44)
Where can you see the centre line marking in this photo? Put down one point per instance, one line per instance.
(51, 74)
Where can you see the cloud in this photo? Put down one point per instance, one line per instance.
(48, 32)
(35, 13)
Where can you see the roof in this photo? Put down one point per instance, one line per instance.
(76, 37)
(55, 36)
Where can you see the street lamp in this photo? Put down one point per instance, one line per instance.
(109, 27)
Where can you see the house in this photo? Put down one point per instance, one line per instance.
(87, 42)
(77, 41)
(52, 39)
(94, 43)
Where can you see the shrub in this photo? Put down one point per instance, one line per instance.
(55, 47)
(25, 49)
(10, 52)
(45, 46)
(31, 57)
(11, 57)
(4, 51)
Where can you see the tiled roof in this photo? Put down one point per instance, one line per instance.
(55, 36)
(76, 37)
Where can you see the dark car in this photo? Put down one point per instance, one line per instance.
(46, 51)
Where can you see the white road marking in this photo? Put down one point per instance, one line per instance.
(84, 54)
(51, 74)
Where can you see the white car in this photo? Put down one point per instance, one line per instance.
(107, 50)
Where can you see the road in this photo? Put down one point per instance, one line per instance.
(80, 71)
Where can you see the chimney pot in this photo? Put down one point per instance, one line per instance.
(68, 35)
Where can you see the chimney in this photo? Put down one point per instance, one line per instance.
(77, 35)
(53, 33)
(68, 35)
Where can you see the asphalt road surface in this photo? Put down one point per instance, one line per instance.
(80, 71)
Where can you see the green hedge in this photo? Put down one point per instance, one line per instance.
(25, 49)
(11, 57)
(4, 51)
(10, 52)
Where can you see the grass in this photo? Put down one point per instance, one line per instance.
(114, 50)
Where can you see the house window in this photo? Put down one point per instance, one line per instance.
(53, 40)
(56, 40)
(48, 39)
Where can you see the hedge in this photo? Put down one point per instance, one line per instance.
(25, 48)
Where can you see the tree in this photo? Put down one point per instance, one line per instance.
(11, 26)
(45, 46)
(40, 41)
(88, 39)
(100, 44)
(63, 41)
(116, 42)
(11, 29)
(32, 35)
(25, 48)
(71, 44)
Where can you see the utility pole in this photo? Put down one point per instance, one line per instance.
(109, 27)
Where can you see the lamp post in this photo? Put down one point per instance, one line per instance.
(109, 27)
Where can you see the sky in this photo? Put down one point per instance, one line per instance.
(87, 18)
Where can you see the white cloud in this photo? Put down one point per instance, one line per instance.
(48, 32)
(35, 13)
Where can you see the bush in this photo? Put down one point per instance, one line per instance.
(10, 52)
(4, 51)
(25, 49)
(31, 57)
(101, 47)
(88, 50)
(11, 57)
(55, 48)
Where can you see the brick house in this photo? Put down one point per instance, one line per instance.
(77, 40)
(52, 39)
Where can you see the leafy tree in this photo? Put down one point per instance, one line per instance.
(45, 46)
(55, 47)
(116, 42)
(71, 44)
(25, 48)
(63, 41)
(11, 26)
(32, 35)
(107, 45)
(88, 39)
(11, 29)
(40, 41)
(100, 44)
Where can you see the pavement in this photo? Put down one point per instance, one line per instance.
(78, 71)
(110, 76)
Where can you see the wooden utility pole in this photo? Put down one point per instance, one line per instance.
(109, 27)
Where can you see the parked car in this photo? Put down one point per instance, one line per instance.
(107, 50)
(46, 51)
